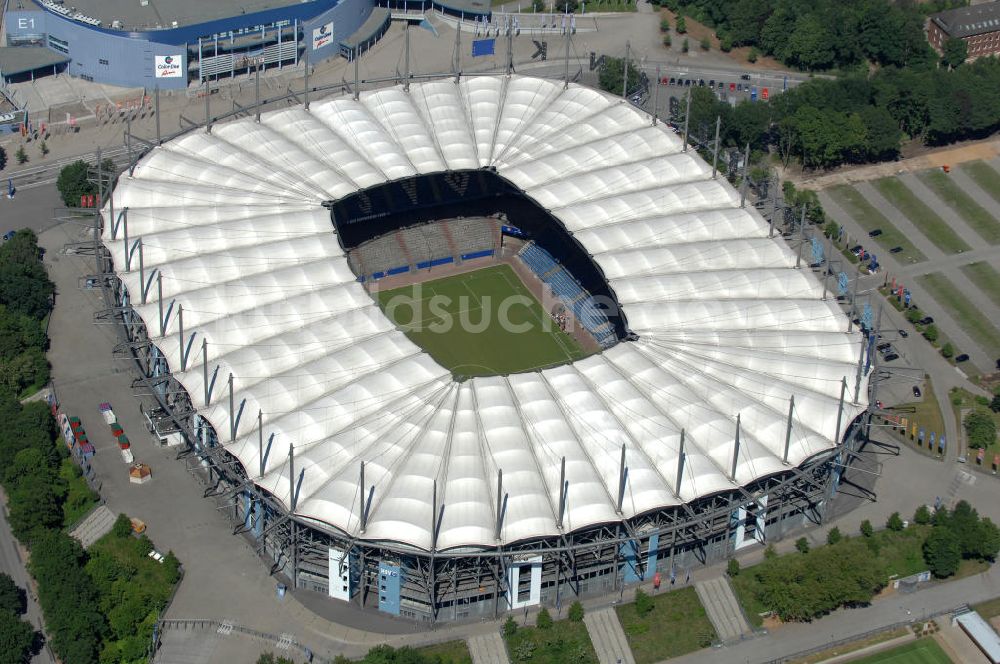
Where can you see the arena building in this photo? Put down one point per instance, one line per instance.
(170, 45)
(723, 393)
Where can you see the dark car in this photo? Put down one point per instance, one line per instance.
(895, 250)
(739, 87)
(904, 333)
(721, 85)
(711, 83)
(745, 77)
(884, 346)
(857, 249)
(701, 82)
(926, 320)
(875, 232)
(890, 357)
(687, 82)
(9, 235)
(964, 357)
(916, 391)
(673, 81)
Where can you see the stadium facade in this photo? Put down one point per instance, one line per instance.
(172, 45)
(722, 416)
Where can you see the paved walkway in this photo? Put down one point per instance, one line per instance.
(488, 649)
(608, 637)
(790, 639)
(723, 610)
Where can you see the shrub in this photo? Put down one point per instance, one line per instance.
(894, 522)
(643, 603)
(509, 627)
(947, 350)
(21, 155)
(980, 429)
(543, 620)
(753, 55)
(834, 536)
(667, 41)
(733, 567)
(43, 148)
(802, 544)
(3, 158)
(664, 25)
(576, 612)
(769, 552)
(685, 47)
(866, 528)
(122, 527)
(706, 43)
(913, 314)
(682, 27)
(922, 516)
(995, 404)
(725, 43)
(931, 333)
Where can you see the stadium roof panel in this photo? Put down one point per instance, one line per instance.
(233, 225)
(133, 13)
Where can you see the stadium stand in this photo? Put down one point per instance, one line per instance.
(568, 290)
(423, 246)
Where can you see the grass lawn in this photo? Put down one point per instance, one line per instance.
(984, 175)
(927, 222)
(481, 323)
(988, 609)
(925, 414)
(863, 212)
(566, 642)
(986, 278)
(450, 652)
(966, 314)
(677, 625)
(921, 651)
(981, 221)
(854, 646)
(745, 588)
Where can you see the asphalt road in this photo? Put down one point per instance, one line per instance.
(12, 564)
(31, 207)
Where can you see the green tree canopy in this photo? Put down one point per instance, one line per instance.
(954, 52)
(16, 639)
(611, 75)
(11, 596)
(942, 553)
(980, 429)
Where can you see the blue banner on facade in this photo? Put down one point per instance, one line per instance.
(483, 47)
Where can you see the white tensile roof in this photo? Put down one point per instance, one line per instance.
(232, 222)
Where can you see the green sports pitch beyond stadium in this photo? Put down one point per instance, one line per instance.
(481, 323)
(922, 651)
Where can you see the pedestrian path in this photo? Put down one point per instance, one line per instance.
(608, 638)
(94, 526)
(488, 649)
(723, 610)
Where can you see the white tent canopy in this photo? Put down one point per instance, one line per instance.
(233, 231)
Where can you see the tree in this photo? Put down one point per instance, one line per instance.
(753, 55)
(947, 350)
(611, 75)
(665, 25)
(681, 25)
(543, 620)
(833, 536)
(566, 6)
(643, 603)
(942, 553)
(16, 639)
(954, 52)
(21, 155)
(931, 333)
(12, 597)
(894, 522)
(733, 568)
(575, 612)
(802, 545)
(980, 429)
(43, 148)
(922, 516)
(866, 528)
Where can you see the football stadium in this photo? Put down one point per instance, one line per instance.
(472, 344)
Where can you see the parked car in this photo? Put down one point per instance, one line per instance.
(701, 82)
(857, 249)
(721, 85)
(739, 87)
(673, 81)
(904, 333)
(926, 320)
(745, 77)
(964, 357)
(916, 391)
(875, 232)
(890, 357)
(711, 83)
(895, 250)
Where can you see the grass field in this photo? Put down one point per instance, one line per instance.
(979, 220)
(966, 314)
(986, 278)
(926, 414)
(921, 216)
(566, 642)
(985, 176)
(921, 651)
(863, 212)
(677, 625)
(450, 652)
(481, 323)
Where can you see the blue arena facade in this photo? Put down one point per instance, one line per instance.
(203, 46)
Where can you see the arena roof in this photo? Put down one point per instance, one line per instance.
(232, 222)
(135, 14)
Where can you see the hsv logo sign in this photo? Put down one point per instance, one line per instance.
(169, 66)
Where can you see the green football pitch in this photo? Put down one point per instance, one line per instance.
(482, 323)
(921, 651)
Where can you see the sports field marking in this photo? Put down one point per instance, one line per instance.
(922, 651)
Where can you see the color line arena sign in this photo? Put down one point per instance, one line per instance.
(168, 66)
